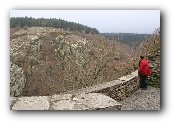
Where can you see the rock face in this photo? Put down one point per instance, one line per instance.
(154, 62)
(90, 101)
(150, 49)
(17, 80)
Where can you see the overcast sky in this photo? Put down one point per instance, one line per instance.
(128, 21)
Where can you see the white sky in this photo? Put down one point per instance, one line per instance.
(130, 21)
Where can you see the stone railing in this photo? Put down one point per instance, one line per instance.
(101, 97)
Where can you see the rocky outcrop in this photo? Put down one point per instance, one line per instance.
(17, 80)
(154, 63)
(150, 49)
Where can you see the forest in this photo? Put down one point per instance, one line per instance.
(52, 22)
(132, 39)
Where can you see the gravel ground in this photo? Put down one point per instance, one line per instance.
(143, 100)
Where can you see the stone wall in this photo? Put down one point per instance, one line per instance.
(116, 89)
(101, 97)
(124, 88)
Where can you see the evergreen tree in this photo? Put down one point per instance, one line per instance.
(52, 22)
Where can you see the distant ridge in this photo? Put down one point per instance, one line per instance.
(132, 39)
(52, 22)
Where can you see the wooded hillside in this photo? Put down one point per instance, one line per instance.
(52, 22)
(55, 60)
(132, 39)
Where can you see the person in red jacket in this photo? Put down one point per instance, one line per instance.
(143, 72)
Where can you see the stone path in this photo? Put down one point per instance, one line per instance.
(143, 100)
(90, 101)
(140, 100)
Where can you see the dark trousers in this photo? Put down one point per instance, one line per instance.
(143, 81)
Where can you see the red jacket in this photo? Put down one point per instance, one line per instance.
(143, 67)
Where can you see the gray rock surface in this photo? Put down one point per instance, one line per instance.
(94, 101)
(31, 103)
(143, 100)
(90, 101)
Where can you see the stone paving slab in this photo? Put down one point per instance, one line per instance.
(90, 101)
(31, 103)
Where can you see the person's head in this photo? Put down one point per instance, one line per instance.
(141, 57)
